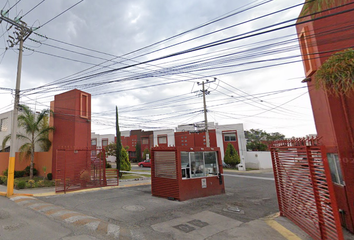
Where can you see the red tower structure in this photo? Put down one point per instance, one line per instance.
(320, 36)
(72, 122)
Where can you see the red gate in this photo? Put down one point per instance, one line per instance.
(83, 168)
(301, 175)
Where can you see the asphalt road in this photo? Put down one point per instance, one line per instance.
(247, 198)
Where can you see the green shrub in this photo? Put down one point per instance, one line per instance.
(27, 171)
(108, 165)
(125, 163)
(31, 184)
(49, 176)
(41, 183)
(21, 184)
(4, 180)
(19, 174)
(1, 181)
(231, 156)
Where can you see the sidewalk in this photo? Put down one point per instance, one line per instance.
(47, 191)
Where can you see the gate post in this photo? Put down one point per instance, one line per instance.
(277, 178)
(315, 188)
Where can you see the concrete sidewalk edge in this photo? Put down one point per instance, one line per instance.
(44, 194)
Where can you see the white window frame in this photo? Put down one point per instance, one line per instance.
(187, 172)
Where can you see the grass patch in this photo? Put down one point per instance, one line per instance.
(133, 176)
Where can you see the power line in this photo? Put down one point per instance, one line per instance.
(59, 14)
(32, 9)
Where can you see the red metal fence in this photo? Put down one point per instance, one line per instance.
(301, 175)
(83, 168)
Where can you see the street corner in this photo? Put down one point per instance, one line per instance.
(202, 225)
(286, 228)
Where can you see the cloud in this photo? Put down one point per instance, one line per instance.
(106, 29)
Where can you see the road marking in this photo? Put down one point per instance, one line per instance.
(245, 176)
(113, 230)
(72, 217)
(281, 229)
(136, 235)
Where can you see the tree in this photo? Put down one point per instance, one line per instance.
(146, 151)
(124, 156)
(231, 156)
(257, 139)
(111, 149)
(138, 151)
(119, 143)
(125, 163)
(36, 132)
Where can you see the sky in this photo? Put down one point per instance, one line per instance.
(149, 58)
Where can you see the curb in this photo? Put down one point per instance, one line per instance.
(286, 233)
(81, 190)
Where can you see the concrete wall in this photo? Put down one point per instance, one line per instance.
(170, 136)
(258, 160)
(100, 137)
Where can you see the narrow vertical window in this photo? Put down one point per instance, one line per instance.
(306, 52)
(84, 105)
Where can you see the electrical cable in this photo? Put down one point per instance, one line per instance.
(59, 14)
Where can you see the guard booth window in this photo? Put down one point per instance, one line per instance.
(199, 164)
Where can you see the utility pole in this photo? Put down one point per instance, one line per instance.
(205, 92)
(21, 34)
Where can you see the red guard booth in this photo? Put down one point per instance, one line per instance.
(183, 173)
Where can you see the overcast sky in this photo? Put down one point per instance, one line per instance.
(147, 56)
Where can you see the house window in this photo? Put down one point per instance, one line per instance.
(3, 124)
(93, 142)
(132, 154)
(162, 139)
(145, 140)
(104, 142)
(230, 137)
(336, 171)
(199, 164)
(93, 153)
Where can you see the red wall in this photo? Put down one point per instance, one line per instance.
(72, 122)
(135, 137)
(233, 143)
(334, 116)
(193, 139)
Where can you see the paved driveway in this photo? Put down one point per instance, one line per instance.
(148, 217)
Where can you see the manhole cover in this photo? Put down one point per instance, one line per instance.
(184, 228)
(198, 223)
(134, 208)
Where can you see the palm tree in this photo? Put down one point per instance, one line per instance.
(36, 131)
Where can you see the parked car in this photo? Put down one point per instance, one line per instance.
(145, 163)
